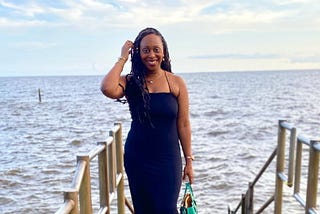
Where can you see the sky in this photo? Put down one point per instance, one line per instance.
(84, 37)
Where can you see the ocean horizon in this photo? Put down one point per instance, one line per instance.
(126, 72)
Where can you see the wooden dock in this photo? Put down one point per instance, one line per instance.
(293, 144)
(77, 198)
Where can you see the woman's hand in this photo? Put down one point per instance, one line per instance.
(188, 171)
(125, 50)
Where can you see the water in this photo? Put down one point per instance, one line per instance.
(234, 119)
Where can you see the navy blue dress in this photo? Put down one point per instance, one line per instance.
(152, 158)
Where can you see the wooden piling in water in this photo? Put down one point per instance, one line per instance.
(39, 95)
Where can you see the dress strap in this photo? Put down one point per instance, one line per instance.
(165, 74)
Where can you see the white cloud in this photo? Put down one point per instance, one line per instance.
(224, 16)
(290, 2)
(307, 58)
(30, 9)
(32, 45)
(237, 56)
(9, 23)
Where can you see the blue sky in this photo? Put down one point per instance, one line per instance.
(84, 37)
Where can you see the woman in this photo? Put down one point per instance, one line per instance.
(159, 106)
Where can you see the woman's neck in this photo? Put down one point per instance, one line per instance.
(154, 74)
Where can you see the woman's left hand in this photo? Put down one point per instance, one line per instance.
(188, 171)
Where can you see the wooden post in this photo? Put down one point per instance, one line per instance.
(39, 95)
(120, 171)
(112, 162)
(250, 198)
(103, 178)
(72, 195)
(85, 188)
(297, 177)
(280, 168)
(293, 137)
(243, 204)
(312, 187)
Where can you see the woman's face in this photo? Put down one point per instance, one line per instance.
(151, 52)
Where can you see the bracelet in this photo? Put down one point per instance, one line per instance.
(190, 157)
(122, 58)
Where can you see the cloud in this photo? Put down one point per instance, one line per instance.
(222, 16)
(32, 45)
(8, 23)
(306, 59)
(28, 10)
(69, 13)
(297, 58)
(236, 56)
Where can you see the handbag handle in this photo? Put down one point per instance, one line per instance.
(188, 189)
(188, 204)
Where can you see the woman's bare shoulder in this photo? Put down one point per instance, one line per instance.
(176, 83)
(176, 79)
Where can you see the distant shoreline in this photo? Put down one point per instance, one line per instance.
(200, 72)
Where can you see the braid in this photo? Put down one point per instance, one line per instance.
(136, 91)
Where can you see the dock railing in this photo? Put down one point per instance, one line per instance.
(293, 176)
(77, 199)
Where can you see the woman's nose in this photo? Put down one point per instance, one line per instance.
(152, 53)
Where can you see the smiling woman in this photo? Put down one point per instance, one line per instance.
(159, 106)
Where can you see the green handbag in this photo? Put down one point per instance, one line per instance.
(188, 204)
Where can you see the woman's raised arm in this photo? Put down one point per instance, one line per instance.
(113, 83)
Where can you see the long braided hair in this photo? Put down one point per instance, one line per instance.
(136, 91)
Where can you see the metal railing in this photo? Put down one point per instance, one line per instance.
(293, 175)
(77, 199)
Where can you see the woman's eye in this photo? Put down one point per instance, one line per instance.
(145, 50)
(156, 50)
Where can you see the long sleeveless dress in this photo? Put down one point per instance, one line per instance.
(152, 158)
